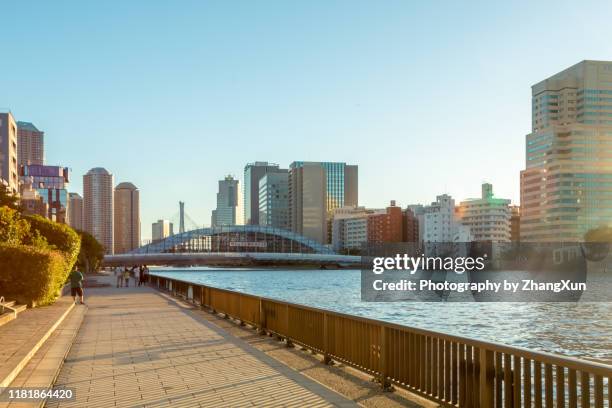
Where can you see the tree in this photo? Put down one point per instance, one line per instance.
(91, 254)
(8, 199)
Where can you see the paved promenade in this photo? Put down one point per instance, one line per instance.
(137, 347)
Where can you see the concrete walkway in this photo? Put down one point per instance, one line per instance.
(21, 338)
(137, 347)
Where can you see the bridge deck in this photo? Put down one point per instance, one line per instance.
(137, 347)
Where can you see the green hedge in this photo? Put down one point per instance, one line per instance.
(32, 276)
(60, 236)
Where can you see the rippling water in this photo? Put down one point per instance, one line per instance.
(574, 329)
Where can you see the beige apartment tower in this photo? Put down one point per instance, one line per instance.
(487, 217)
(75, 211)
(566, 184)
(316, 189)
(8, 152)
(98, 204)
(31, 144)
(127, 218)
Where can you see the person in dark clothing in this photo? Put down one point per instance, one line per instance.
(76, 285)
(141, 278)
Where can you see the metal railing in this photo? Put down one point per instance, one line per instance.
(451, 370)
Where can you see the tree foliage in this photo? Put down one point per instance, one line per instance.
(91, 254)
(8, 199)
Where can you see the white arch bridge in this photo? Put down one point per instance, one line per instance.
(235, 245)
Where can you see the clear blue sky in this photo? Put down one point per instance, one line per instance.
(426, 97)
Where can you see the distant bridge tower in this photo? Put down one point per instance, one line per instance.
(181, 217)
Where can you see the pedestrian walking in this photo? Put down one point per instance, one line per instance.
(118, 276)
(76, 285)
(126, 277)
(141, 275)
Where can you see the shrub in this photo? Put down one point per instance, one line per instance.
(59, 236)
(13, 229)
(31, 275)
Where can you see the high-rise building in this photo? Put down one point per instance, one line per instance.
(51, 182)
(418, 211)
(274, 200)
(31, 144)
(161, 229)
(350, 228)
(568, 171)
(253, 172)
(228, 211)
(307, 201)
(98, 206)
(386, 227)
(440, 225)
(127, 218)
(75, 211)
(487, 217)
(411, 226)
(515, 223)
(32, 202)
(8, 152)
(316, 189)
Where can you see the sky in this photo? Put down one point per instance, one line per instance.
(426, 97)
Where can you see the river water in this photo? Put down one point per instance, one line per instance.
(574, 329)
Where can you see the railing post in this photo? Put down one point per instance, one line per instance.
(487, 378)
(262, 319)
(326, 357)
(288, 342)
(384, 382)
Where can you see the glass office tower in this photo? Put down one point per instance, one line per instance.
(51, 182)
(566, 187)
(274, 200)
(316, 189)
(253, 172)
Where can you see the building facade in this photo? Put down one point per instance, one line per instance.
(75, 211)
(127, 218)
(316, 189)
(253, 172)
(440, 224)
(515, 223)
(274, 200)
(9, 169)
(386, 227)
(51, 182)
(98, 206)
(568, 155)
(228, 211)
(411, 226)
(33, 203)
(487, 217)
(307, 201)
(350, 228)
(31, 144)
(161, 229)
